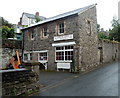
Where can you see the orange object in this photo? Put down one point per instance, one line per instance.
(15, 63)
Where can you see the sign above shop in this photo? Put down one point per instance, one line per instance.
(65, 37)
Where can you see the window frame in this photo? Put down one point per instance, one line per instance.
(24, 57)
(45, 30)
(43, 61)
(28, 57)
(64, 50)
(61, 28)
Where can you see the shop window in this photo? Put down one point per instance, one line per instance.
(64, 53)
(43, 56)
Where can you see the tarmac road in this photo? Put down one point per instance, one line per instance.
(100, 82)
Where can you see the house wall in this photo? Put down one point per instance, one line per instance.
(85, 47)
(37, 43)
(88, 46)
(24, 20)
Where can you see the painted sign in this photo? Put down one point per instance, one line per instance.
(65, 37)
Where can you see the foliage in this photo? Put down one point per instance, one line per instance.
(37, 19)
(6, 30)
(98, 27)
(102, 36)
(5, 22)
(114, 33)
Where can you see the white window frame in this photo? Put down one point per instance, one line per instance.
(64, 50)
(43, 31)
(24, 57)
(42, 61)
(61, 28)
(28, 55)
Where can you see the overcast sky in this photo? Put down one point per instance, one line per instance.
(12, 10)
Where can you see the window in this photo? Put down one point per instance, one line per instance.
(89, 27)
(25, 57)
(64, 53)
(61, 28)
(32, 35)
(28, 56)
(45, 32)
(31, 56)
(43, 56)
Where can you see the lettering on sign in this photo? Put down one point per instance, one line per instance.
(65, 37)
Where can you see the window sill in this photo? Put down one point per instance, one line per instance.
(63, 61)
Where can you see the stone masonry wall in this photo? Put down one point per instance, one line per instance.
(8, 50)
(7, 54)
(71, 27)
(20, 82)
(109, 51)
(88, 50)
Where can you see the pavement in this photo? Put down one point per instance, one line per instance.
(100, 82)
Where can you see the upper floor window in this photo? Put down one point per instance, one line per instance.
(45, 32)
(61, 28)
(32, 35)
(89, 28)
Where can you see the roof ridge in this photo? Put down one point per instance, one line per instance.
(82, 9)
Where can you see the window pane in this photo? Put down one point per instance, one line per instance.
(43, 56)
(59, 55)
(30, 56)
(45, 31)
(59, 48)
(25, 57)
(68, 55)
(68, 47)
(61, 28)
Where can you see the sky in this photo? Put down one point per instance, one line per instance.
(12, 10)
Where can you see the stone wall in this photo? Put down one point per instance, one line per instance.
(20, 82)
(8, 50)
(108, 51)
(88, 45)
(82, 26)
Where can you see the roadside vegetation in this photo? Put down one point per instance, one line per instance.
(6, 29)
(112, 34)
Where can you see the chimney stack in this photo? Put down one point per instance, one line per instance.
(37, 14)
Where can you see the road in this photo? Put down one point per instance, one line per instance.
(100, 82)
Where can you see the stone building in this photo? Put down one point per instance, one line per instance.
(65, 41)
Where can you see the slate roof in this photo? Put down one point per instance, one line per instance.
(77, 11)
(33, 16)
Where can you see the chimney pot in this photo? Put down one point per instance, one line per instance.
(37, 13)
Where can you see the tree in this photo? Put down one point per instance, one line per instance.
(37, 19)
(7, 32)
(114, 33)
(6, 29)
(102, 36)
